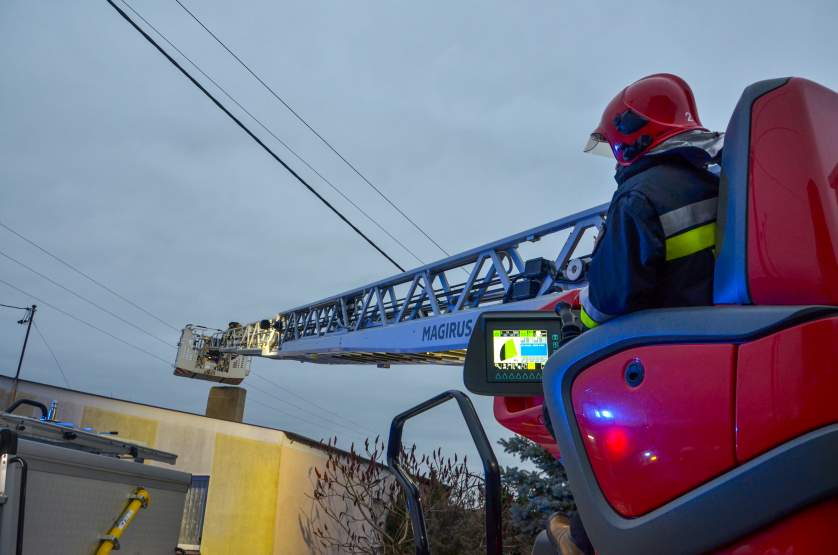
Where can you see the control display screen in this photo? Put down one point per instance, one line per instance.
(519, 354)
(509, 352)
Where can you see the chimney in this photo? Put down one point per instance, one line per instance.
(226, 403)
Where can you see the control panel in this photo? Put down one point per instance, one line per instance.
(508, 351)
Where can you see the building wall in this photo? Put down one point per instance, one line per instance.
(258, 500)
(294, 507)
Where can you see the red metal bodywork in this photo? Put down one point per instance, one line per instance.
(701, 410)
(793, 207)
(651, 443)
(525, 416)
(704, 409)
(787, 385)
(807, 532)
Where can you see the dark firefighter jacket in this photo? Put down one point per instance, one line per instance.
(657, 248)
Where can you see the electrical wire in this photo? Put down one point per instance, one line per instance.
(55, 358)
(85, 299)
(304, 122)
(151, 335)
(86, 323)
(282, 412)
(15, 307)
(313, 425)
(298, 407)
(272, 134)
(167, 363)
(253, 136)
(303, 409)
(312, 403)
(258, 141)
(86, 276)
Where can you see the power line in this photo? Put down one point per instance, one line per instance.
(69, 315)
(86, 323)
(288, 414)
(86, 276)
(272, 134)
(140, 329)
(138, 348)
(55, 358)
(15, 307)
(237, 121)
(304, 122)
(85, 299)
(253, 136)
(314, 425)
(312, 403)
(303, 409)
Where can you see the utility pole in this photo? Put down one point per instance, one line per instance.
(30, 315)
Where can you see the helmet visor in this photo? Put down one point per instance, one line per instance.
(598, 145)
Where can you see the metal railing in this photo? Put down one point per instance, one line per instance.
(491, 472)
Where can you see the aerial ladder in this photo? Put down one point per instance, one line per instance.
(689, 430)
(422, 316)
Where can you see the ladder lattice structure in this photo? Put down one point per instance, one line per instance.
(420, 316)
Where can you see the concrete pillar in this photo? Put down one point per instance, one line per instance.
(226, 403)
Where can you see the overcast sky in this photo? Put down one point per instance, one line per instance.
(112, 160)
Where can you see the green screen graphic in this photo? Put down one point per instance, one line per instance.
(508, 350)
(520, 350)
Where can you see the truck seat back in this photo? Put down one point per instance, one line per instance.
(778, 209)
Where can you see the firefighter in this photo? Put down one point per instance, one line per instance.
(657, 247)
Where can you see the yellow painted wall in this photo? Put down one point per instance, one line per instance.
(241, 503)
(294, 505)
(258, 500)
(130, 427)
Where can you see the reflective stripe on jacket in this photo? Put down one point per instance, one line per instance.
(657, 248)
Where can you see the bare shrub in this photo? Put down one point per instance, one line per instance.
(362, 509)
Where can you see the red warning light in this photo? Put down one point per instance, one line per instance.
(616, 442)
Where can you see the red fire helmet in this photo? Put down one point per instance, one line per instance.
(643, 115)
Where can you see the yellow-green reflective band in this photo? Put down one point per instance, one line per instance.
(587, 320)
(692, 241)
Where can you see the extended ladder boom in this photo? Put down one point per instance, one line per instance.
(419, 316)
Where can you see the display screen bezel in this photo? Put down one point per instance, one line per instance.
(479, 369)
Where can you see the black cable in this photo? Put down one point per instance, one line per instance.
(16, 307)
(167, 363)
(304, 122)
(131, 324)
(282, 412)
(309, 422)
(302, 409)
(252, 135)
(84, 275)
(55, 358)
(312, 403)
(272, 134)
(85, 299)
(88, 324)
(314, 425)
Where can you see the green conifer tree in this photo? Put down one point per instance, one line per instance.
(537, 493)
